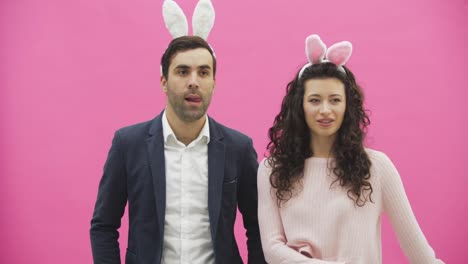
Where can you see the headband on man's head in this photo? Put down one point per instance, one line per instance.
(176, 21)
(317, 52)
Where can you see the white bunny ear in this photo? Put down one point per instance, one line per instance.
(340, 52)
(175, 19)
(203, 19)
(315, 49)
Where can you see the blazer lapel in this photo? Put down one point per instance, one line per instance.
(216, 154)
(155, 144)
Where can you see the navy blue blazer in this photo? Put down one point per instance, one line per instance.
(135, 172)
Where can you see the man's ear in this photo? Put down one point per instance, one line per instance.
(163, 84)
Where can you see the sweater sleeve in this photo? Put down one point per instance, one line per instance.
(400, 214)
(271, 227)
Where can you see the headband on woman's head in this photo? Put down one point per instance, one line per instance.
(176, 21)
(317, 52)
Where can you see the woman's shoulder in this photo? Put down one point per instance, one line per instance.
(381, 164)
(264, 165)
(376, 155)
(379, 160)
(264, 162)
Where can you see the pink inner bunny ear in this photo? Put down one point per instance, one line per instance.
(315, 49)
(340, 52)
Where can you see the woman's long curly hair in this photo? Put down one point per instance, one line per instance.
(290, 138)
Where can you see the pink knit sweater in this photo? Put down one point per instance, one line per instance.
(321, 224)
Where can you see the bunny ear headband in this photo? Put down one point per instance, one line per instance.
(317, 52)
(176, 21)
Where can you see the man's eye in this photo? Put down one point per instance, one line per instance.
(182, 72)
(204, 73)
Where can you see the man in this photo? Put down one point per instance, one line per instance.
(182, 173)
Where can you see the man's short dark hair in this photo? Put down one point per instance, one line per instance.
(184, 43)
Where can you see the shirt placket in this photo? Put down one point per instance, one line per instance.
(184, 194)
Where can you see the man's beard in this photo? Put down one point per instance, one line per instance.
(187, 113)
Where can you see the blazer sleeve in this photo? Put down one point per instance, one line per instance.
(272, 232)
(247, 202)
(398, 209)
(110, 206)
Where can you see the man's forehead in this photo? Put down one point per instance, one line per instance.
(193, 58)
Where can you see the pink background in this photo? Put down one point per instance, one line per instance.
(72, 72)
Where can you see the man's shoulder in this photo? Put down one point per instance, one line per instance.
(136, 130)
(230, 133)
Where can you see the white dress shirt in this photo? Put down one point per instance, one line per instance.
(187, 236)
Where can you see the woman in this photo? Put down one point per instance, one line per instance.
(321, 193)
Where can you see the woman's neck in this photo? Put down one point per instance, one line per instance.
(322, 146)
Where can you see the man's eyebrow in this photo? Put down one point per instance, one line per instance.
(204, 66)
(182, 66)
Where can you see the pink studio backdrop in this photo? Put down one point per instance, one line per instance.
(72, 72)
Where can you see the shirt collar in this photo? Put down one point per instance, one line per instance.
(169, 133)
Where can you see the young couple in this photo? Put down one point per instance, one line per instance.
(317, 198)
(321, 193)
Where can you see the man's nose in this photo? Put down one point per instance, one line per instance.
(193, 80)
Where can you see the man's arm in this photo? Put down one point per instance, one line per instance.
(109, 208)
(248, 203)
